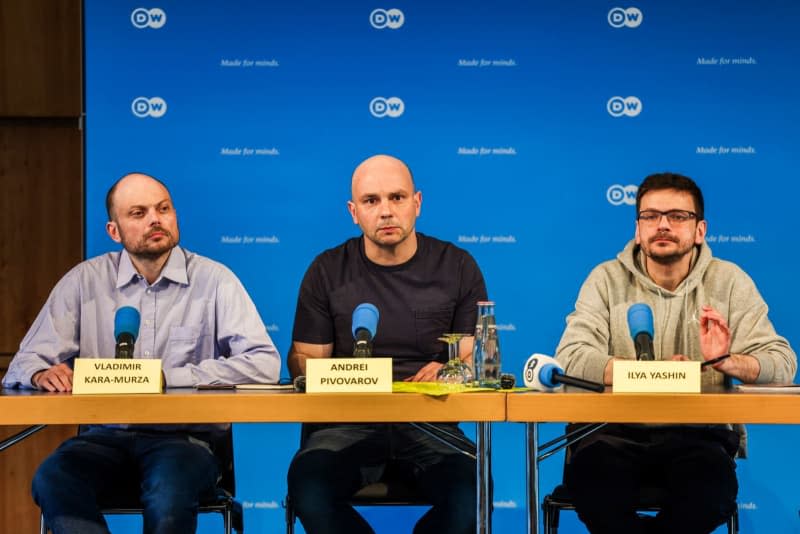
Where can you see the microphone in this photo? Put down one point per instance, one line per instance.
(640, 323)
(544, 373)
(365, 325)
(126, 328)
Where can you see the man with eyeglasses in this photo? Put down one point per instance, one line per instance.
(703, 308)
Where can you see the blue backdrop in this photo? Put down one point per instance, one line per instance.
(527, 126)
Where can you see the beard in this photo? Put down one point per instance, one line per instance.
(150, 251)
(667, 258)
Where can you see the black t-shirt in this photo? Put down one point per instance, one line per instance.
(433, 293)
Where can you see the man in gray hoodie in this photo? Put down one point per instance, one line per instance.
(703, 308)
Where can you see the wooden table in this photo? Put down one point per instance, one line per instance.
(715, 406)
(20, 407)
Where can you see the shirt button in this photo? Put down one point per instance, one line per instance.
(147, 353)
(147, 322)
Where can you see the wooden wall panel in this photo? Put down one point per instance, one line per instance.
(18, 463)
(41, 201)
(41, 58)
(41, 216)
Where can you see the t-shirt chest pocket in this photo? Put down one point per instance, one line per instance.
(430, 325)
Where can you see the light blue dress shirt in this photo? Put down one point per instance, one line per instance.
(196, 317)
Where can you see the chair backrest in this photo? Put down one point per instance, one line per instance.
(223, 450)
(394, 488)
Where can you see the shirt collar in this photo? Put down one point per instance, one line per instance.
(126, 273)
(174, 270)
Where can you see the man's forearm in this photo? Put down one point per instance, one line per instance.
(742, 366)
(300, 352)
(297, 364)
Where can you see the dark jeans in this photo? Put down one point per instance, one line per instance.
(338, 460)
(167, 473)
(694, 466)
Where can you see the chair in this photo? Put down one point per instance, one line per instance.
(650, 499)
(393, 489)
(560, 499)
(390, 490)
(223, 502)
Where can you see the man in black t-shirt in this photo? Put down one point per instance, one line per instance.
(423, 288)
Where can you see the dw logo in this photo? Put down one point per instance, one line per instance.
(386, 18)
(154, 107)
(620, 18)
(148, 18)
(622, 194)
(386, 107)
(629, 106)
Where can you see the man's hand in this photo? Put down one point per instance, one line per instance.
(427, 373)
(715, 340)
(57, 378)
(715, 335)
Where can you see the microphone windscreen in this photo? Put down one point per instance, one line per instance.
(539, 370)
(126, 321)
(640, 319)
(366, 316)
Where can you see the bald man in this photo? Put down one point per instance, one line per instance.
(195, 316)
(423, 288)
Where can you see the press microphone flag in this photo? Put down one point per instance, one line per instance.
(544, 373)
(640, 323)
(126, 328)
(365, 326)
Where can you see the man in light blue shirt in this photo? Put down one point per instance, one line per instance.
(195, 316)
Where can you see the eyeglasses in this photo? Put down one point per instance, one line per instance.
(673, 216)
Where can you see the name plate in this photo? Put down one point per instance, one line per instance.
(110, 375)
(631, 376)
(349, 375)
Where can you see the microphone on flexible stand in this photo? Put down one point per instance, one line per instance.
(544, 373)
(365, 326)
(640, 323)
(126, 328)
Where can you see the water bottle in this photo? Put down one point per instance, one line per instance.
(486, 350)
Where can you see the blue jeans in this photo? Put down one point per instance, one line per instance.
(337, 460)
(168, 474)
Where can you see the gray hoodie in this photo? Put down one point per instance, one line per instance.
(598, 328)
